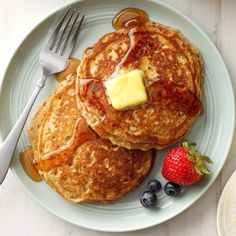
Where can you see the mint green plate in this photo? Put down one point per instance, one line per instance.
(213, 132)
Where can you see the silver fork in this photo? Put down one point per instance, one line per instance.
(53, 59)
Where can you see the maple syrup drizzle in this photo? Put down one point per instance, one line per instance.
(174, 97)
(129, 17)
(171, 96)
(81, 134)
(26, 160)
(134, 19)
(71, 68)
(139, 39)
(95, 93)
(27, 155)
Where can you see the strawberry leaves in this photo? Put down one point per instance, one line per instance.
(197, 159)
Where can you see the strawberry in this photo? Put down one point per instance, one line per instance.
(184, 165)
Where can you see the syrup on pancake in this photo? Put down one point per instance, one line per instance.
(174, 88)
(141, 43)
(27, 158)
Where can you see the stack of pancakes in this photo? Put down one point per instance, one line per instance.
(88, 151)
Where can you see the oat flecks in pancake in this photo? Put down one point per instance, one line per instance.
(173, 70)
(34, 125)
(95, 171)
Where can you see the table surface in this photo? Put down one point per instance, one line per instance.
(21, 215)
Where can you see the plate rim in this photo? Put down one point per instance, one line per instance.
(227, 147)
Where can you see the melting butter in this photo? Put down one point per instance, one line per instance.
(126, 90)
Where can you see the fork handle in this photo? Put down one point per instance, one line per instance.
(7, 148)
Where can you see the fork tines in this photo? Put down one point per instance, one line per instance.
(64, 36)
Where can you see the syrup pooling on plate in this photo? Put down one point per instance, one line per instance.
(26, 160)
(72, 65)
(129, 17)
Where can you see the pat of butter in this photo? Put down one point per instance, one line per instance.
(126, 90)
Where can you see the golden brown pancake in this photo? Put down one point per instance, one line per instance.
(36, 122)
(173, 70)
(75, 161)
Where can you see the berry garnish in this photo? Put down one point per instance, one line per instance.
(184, 165)
(172, 189)
(148, 199)
(154, 185)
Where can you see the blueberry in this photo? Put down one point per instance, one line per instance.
(154, 185)
(148, 199)
(172, 189)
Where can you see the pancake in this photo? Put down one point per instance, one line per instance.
(36, 120)
(75, 161)
(173, 70)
